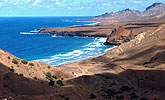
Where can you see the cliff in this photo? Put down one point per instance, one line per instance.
(134, 69)
(118, 36)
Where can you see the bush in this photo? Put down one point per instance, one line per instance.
(92, 96)
(51, 83)
(125, 88)
(8, 57)
(24, 61)
(31, 64)
(55, 77)
(144, 99)
(11, 69)
(60, 83)
(35, 77)
(48, 74)
(66, 98)
(119, 97)
(21, 74)
(49, 67)
(15, 61)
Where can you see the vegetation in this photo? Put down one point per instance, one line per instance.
(125, 88)
(66, 98)
(92, 96)
(24, 61)
(119, 97)
(55, 77)
(15, 61)
(110, 92)
(8, 57)
(60, 83)
(35, 77)
(11, 69)
(49, 67)
(51, 83)
(133, 96)
(31, 64)
(48, 75)
(143, 99)
(20, 74)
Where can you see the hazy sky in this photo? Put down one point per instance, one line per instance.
(69, 7)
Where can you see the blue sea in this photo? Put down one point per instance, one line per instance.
(44, 47)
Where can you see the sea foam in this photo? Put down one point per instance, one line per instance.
(92, 49)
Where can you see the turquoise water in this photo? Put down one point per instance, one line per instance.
(44, 47)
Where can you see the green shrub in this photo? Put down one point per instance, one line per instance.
(11, 69)
(21, 74)
(51, 83)
(35, 77)
(15, 61)
(55, 77)
(24, 61)
(8, 57)
(48, 74)
(60, 83)
(31, 64)
(49, 67)
(92, 96)
(62, 78)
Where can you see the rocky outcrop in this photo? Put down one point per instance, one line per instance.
(119, 35)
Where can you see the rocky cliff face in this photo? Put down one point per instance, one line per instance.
(118, 36)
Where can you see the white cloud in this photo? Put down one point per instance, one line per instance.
(28, 1)
(1, 3)
(16, 2)
(137, 1)
(36, 2)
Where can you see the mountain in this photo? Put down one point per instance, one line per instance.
(126, 13)
(154, 5)
(154, 10)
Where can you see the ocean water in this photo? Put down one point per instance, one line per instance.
(44, 47)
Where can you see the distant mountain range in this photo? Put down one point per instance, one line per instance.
(156, 10)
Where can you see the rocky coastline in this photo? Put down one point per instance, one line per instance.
(134, 70)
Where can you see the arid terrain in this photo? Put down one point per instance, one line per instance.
(134, 70)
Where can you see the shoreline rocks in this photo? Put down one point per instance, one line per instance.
(118, 36)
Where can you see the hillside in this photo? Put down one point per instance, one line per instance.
(132, 71)
(152, 11)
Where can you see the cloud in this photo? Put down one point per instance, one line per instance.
(1, 3)
(28, 1)
(137, 1)
(36, 2)
(16, 2)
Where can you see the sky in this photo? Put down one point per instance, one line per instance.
(69, 7)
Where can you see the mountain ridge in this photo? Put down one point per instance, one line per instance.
(152, 11)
